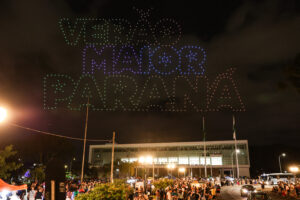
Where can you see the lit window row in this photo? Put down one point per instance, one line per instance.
(213, 160)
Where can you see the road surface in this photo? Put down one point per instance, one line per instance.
(234, 193)
(231, 193)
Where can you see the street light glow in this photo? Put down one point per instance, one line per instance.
(238, 151)
(141, 159)
(149, 159)
(171, 166)
(3, 114)
(181, 169)
(294, 169)
(146, 160)
(283, 154)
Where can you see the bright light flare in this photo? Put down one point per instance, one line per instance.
(146, 160)
(3, 114)
(149, 159)
(294, 169)
(181, 169)
(171, 166)
(141, 159)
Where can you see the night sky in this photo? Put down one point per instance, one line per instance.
(259, 38)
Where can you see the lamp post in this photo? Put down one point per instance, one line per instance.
(281, 155)
(237, 152)
(147, 160)
(182, 170)
(71, 164)
(171, 166)
(84, 141)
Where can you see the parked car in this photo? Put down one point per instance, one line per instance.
(246, 189)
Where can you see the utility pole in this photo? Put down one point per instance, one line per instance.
(204, 140)
(84, 142)
(232, 172)
(236, 149)
(112, 159)
(153, 169)
(211, 170)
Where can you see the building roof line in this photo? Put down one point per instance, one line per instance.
(169, 144)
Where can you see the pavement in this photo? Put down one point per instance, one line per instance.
(233, 192)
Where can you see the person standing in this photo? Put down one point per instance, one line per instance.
(169, 195)
(39, 193)
(263, 186)
(157, 195)
(31, 193)
(180, 195)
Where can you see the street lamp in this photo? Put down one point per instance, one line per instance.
(236, 151)
(281, 155)
(171, 166)
(71, 164)
(182, 170)
(294, 169)
(3, 114)
(147, 160)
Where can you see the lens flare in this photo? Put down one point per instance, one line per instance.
(3, 114)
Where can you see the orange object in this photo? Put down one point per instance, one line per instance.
(5, 186)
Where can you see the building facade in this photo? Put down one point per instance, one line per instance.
(220, 156)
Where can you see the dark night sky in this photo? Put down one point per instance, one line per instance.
(259, 38)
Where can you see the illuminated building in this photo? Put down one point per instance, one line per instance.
(220, 159)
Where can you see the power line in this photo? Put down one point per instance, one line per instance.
(57, 135)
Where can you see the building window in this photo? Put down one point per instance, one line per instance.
(202, 161)
(216, 160)
(131, 160)
(162, 160)
(124, 159)
(173, 160)
(183, 161)
(194, 160)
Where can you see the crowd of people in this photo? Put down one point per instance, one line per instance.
(180, 189)
(74, 188)
(287, 189)
(183, 189)
(35, 191)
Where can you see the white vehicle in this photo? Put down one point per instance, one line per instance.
(275, 178)
(139, 185)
